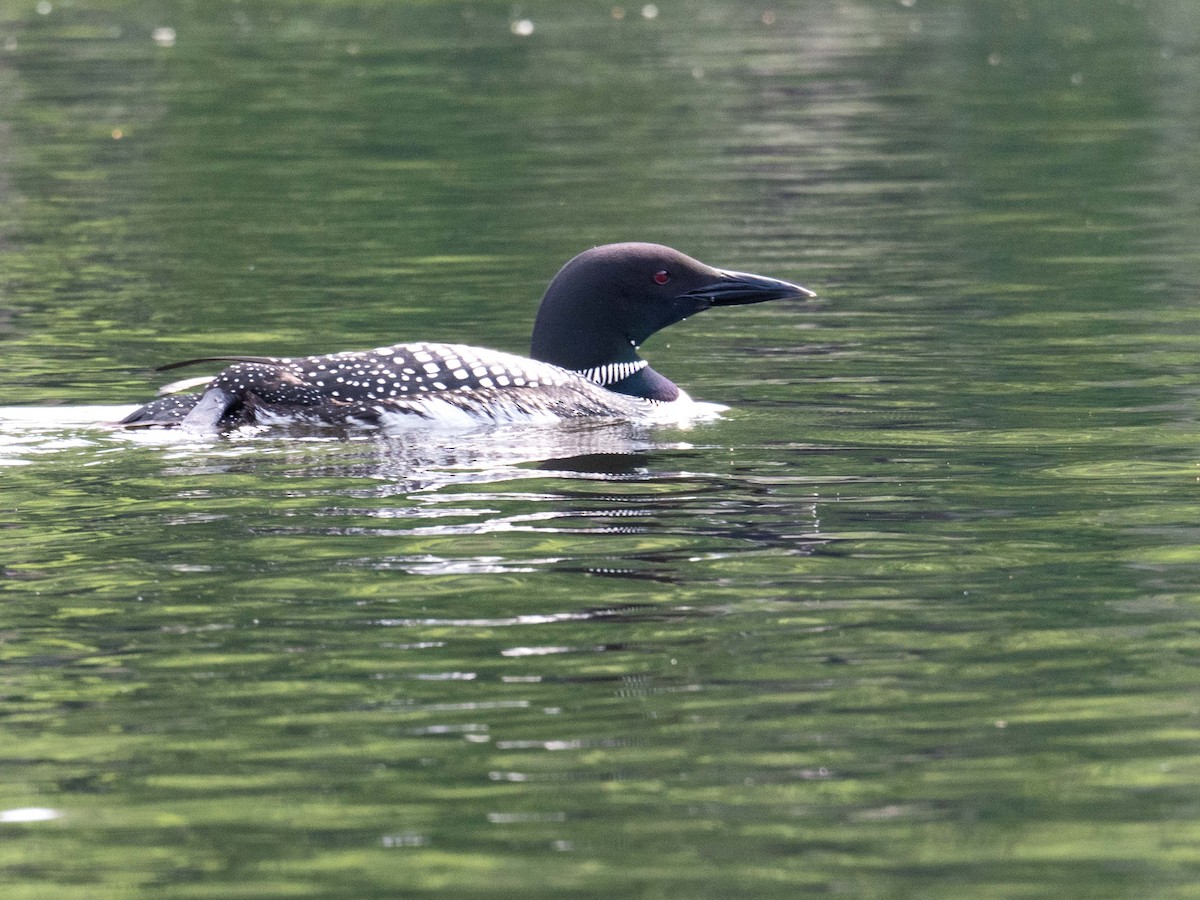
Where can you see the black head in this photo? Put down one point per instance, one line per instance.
(607, 300)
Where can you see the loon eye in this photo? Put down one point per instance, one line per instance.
(662, 276)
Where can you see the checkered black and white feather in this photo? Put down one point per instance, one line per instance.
(431, 381)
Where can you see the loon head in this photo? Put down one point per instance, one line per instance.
(603, 303)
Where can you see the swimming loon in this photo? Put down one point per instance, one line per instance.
(596, 312)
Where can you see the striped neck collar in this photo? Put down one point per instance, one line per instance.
(611, 373)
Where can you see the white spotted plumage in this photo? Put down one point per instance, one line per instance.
(443, 382)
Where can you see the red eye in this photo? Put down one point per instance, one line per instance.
(662, 276)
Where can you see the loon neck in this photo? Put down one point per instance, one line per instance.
(634, 378)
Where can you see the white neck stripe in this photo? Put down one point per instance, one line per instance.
(611, 373)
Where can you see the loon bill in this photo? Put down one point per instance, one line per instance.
(595, 314)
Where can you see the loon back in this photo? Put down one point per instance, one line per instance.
(448, 383)
(596, 312)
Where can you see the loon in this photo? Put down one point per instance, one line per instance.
(584, 362)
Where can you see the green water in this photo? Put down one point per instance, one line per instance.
(916, 618)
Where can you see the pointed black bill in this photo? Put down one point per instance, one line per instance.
(740, 288)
